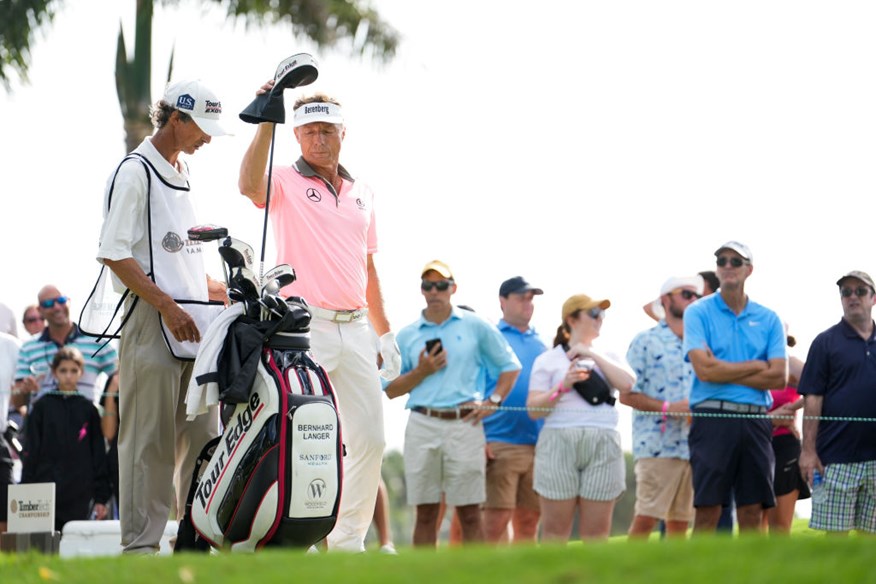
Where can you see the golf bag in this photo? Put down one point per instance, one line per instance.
(274, 476)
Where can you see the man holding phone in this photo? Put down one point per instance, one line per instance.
(445, 355)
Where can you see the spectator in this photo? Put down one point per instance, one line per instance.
(511, 433)
(578, 458)
(788, 482)
(444, 356)
(8, 357)
(837, 382)
(324, 224)
(663, 477)
(7, 321)
(63, 444)
(35, 357)
(33, 321)
(382, 521)
(737, 350)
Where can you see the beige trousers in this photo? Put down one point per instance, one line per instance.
(157, 446)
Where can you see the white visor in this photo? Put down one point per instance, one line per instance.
(318, 112)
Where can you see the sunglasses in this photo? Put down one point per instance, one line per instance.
(735, 262)
(50, 302)
(687, 294)
(440, 285)
(596, 313)
(860, 292)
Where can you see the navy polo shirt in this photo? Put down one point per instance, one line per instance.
(841, 366)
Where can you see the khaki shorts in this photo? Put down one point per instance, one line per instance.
(664, 489)
(444, 456)
(509, 477)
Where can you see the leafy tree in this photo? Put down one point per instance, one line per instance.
(323, 21)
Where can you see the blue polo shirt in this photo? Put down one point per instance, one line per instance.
(516, 427)
(756, 333)
(474, 348)
(841, 366)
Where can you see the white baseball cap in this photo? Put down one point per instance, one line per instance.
(195, 99)
(695, 282)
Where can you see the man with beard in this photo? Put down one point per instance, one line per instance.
(663, 476)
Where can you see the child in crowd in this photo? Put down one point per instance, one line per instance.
(63, 444)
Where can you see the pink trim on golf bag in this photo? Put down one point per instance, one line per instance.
(274, 476)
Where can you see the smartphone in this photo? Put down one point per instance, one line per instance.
(585, 364)
(431, 343)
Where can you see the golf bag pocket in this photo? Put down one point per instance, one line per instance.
(203, 314)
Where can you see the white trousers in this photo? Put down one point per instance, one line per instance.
(348, 352)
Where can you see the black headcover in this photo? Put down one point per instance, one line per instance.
(295, 71)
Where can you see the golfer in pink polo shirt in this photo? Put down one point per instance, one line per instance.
(324, 224)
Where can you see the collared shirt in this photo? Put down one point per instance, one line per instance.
(473, 346)
(661, 373)
(35, 358)
(841, 367)
(325, 235)
(515, 426)
(755, 333)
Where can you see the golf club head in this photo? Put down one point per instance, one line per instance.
(277, 278)
(247, 282)
(295, 71)
(207, 232)
(237, 254)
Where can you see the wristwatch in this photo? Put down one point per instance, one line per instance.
(495, 399)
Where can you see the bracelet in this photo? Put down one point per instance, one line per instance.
(663, 423)
(560, 389)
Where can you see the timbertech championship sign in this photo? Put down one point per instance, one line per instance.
(31, 508)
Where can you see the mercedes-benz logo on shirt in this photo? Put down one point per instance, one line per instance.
(314, 195)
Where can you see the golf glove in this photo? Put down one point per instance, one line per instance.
(391, 356)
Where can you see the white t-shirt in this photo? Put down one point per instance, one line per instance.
(571, 410)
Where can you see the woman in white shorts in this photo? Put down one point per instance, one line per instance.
(578, 457)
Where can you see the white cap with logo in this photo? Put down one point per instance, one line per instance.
(195, 99)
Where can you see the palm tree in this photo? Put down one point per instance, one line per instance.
(323, 21)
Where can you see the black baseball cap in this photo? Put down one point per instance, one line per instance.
(517, 285)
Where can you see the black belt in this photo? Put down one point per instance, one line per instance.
(727, 406)
(443, 414)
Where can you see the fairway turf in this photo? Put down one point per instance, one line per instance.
(707, 560)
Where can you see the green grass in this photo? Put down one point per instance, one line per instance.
(708, 560)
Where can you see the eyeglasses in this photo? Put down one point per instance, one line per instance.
(440, 285)
(860, 292)
(50, 302)
(596, 313)
(735, 262)
(686, 294)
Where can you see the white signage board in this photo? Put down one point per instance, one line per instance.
(31, 508)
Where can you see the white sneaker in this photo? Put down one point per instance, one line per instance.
(388, 549)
